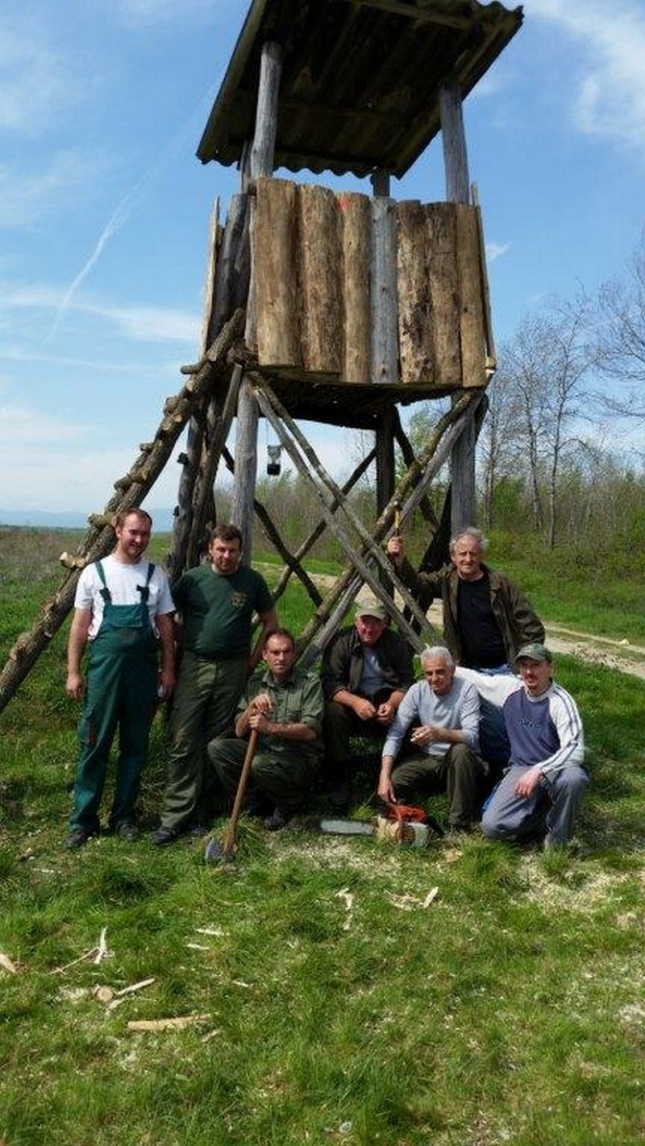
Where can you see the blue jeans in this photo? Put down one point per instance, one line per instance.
(552, 807)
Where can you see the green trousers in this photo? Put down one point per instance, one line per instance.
(284, 778)
(121, 691)
(203, 707)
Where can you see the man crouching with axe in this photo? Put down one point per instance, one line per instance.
(283, 708)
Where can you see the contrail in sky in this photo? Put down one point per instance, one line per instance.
(114, 224)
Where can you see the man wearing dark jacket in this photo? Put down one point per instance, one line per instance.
(486, 619)
(366, 671)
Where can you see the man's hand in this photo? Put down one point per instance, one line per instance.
(262, 704)
(259, 711)
(260, 722)
(527, 783)
(396, 548)
(386, 712)
(427, 734)
(75, 686)
(363, 708)
(385, 791)
(166, 683)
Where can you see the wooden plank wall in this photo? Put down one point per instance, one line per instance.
(313, 257)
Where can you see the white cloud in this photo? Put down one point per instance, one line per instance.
(149, 323)
(496, 251)
(139, 323)
(57, 465)
(609, 79)
(27, 428)
(26, 197)
(36, 81)
(138, 13)
(337, 449)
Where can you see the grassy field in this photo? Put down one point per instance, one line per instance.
(324, 991)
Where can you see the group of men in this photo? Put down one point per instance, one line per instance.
(487, 724)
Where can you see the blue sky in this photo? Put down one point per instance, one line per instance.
(104, 209)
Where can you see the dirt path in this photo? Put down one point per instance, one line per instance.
(620, 655)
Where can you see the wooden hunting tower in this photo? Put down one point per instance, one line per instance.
(354, 304)
(338, 308)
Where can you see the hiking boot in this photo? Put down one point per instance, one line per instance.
(278, 820)
(257, 805)
(164, 836)
(340, 796)
(127, 831)
(77, 838)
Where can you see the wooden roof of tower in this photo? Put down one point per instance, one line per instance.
(360, 78)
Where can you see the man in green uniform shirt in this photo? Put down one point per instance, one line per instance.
(285, 705)
(217, 602)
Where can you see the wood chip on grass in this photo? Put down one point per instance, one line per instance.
(175, 1023)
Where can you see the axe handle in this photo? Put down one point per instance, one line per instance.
(231, 831)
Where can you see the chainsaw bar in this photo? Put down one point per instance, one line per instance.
(347, 828)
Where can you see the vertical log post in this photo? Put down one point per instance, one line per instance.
(458, 191)
(262, 153)
(194, 439)
(385, 345)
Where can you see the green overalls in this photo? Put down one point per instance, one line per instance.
(121, 689)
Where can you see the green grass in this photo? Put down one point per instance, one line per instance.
(581, 588)
(329, 1005)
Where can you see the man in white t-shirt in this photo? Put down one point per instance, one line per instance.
(124, 615)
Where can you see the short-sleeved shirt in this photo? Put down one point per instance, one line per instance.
(217, 610)
(123, 580)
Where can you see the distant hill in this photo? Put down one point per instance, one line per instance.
(45, 519)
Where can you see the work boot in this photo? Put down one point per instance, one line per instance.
(77, 838)
(127, 831)
(164, 836)
(277, 820)
(340, 796)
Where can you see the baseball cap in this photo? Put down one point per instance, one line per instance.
(535, 652)
(371, 609)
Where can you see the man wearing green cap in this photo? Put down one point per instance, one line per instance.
(543, 788)
(366, 671)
